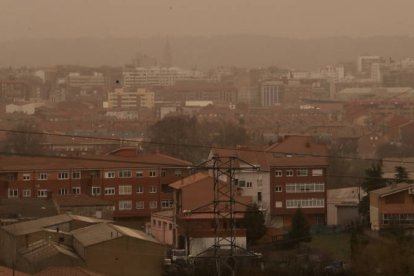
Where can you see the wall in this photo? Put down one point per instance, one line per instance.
(198, 245)
(126, 256)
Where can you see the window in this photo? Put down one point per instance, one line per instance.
(152, 173)
(165, 204)
(317, 172)
(125, 205)
(13, 192)
(140, 205)
(125, 189)
(153, 189)
(305, 187)
(279, 204)
(76, 175)
(140, 189)
(63, 191)
(241, 183)
(178, 172)
(278, 189)
(249, 184)
(42, 176)
(306, 203)
(109, 191)
(42, 193)
(302, 172)
(109, 174)
(63, 175)
(259, 196)
(125, 173)
(140, 173)
(153, 204)
(169, 226)
(259, 183)
(26, 176)
(27, 193)
(76, 190)
(96, 191)
(289, 173)
(278, 173)
(163, 173)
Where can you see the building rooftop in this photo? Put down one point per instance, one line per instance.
(391, 189)
(31, 226)
(105, 231)
(79, 200)
(28, 208)
(189, 180)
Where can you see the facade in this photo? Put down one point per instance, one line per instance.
(271, 93)
(190, 225)
(364, 64)
(253, 182)
(298, 168)
(392, 206)
(197, 90)
(137, 185)
(155, 76)
(342, 205)
(121, 99)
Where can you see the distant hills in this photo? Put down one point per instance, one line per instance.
(204, 52)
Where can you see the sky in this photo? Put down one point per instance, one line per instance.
(142, 18)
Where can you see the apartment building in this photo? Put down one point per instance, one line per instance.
(137, 185)
(298, 168)
(122, 99)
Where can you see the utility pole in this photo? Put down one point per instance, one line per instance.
(225, 251)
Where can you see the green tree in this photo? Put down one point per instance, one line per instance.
(254, 221)
(300, 229)
(373, 180)
(401, 175)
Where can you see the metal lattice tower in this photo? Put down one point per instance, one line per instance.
(225, 250)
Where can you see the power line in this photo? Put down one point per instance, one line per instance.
(203, 146)
(168, 165)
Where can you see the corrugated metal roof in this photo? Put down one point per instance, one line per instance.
(105, 231)
(31, 226)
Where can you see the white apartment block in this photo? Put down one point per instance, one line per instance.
(120, 99)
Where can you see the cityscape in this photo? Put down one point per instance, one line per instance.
(192, 147)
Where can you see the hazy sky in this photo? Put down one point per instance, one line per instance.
(286, 18)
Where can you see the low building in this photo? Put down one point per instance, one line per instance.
(76, 241)
(342, 205)
(392, 206)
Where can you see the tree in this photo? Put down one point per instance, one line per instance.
(24, 140)
(300, 229)
(401, 175)
(174, 136)
(373, 180)
(254, 222)
(190, 139)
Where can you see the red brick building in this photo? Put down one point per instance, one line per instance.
(298, 168)
(137, 184)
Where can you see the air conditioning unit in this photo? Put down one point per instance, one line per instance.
(411, 190)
